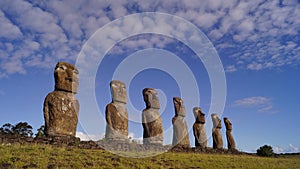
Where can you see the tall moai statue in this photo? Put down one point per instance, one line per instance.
(152, 123)
(60, 106)
(230, 140)
(216, 133)
(116, 113)
(198, 128)
(180, 128)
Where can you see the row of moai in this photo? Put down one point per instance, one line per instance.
(61, 114)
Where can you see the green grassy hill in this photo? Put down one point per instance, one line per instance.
(50, 157)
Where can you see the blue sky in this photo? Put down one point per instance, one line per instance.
(258, 44)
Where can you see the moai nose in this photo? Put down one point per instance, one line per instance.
(70, 73)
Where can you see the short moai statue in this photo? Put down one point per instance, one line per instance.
(216, 133)
(230, 139)
(198, 128)
(152, 123)
(180, 128)
(60, 106)
(116, 113)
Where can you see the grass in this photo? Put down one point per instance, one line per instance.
(50, 157)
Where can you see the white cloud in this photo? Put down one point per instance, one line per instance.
(278, 149)
(57, 30)
(206, 20)
(88, 137)
(141, 42)
(294, 148)
(255, 66)
(263, 104)
(95, 137)
(230, 69)
(239, 12)
(132, 137)
(266, 109)
(8, 29)
(14, 66)
(289, 149)
(263, 23)
(250, 101)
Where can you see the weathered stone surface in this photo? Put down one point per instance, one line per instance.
(180, 129)
(152, 123)
(216, 133)
(66, 77)
(116, 113)
(60, 106)
(140, 149)
(198, 128)
(230, 139)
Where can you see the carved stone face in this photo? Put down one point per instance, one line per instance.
(227, 123)
(118, 91)
(151, 98)
(179, 107)
(66, 77)
(216, 121)
(199, 115)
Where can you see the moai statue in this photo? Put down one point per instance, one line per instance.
(216, 133)
(116, 113)
(198, 128)
(152, 123)
(230, 140)
(60, 106)
(180, 128)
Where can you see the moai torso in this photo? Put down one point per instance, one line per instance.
(60, 106)
(216, 133)
(180, 128)
(116, 113)
(152, 123)
(198, 128)
(230, 139)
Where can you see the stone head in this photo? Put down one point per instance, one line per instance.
(216, 121)
(118, 91)
(199, 115)
(66, 77)
(179, 107)
(151, 98)
(228, 124)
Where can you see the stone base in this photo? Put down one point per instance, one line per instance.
(74, 142)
